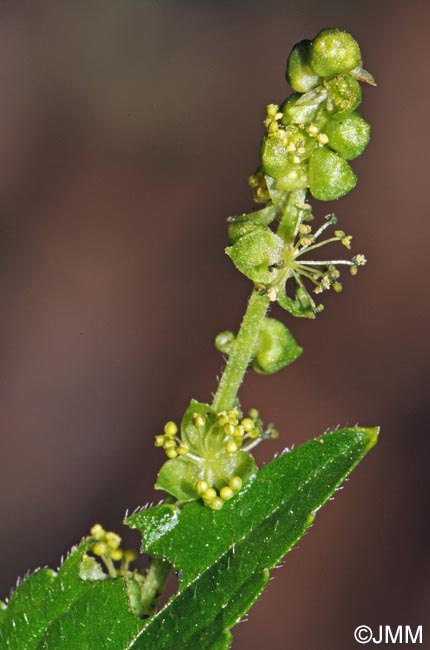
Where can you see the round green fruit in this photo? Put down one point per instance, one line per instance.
(332, 52)
(330, 176)
(299, 73)
(348, 136)
(274, 156)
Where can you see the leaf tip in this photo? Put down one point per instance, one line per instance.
(372, 437)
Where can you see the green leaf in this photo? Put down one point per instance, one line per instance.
(222, 557)
(50, 611)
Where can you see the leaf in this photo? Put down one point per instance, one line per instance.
(222, 557)
(50, 611)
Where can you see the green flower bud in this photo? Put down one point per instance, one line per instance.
(344, 95)
(293, 114)
(349, 136)
(334, 51)
(276, 348)
(299, 73)
(257, 254)
(330, 176)
(224, 342)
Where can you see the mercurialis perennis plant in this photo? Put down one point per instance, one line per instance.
(224, 523)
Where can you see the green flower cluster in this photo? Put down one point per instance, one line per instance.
(215, 461)
(308, 142)
(313, 134)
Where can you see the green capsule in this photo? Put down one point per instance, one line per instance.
(276, 348)
(349, 135)
(299, 73)
(330, 176)
(344, 95)
(334, 51)
(257, 254)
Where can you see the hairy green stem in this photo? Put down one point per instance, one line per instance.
(153, 586)
(247, 337)
(292, 216)
(242, 352)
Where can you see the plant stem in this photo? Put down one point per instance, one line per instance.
(292, 216)
(154, 583)
(242, 353)
(247, 337)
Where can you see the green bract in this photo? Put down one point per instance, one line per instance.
(257, 254)
(334, 51)
(276, 349)
(330, 176)
(349, 135)
(299, 73)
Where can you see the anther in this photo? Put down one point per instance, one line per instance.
(113, 540)
(116, 554)
(99, 549)
(216, 504)
(247, 424)
(97, 531)
(209, 494)
(201, 487)
(130, 555)
(235, 483)
(226, 493)
(229, 429)
(199, 420)
(231, 447)
(170, 429)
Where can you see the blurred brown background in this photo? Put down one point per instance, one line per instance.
(127, 131)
